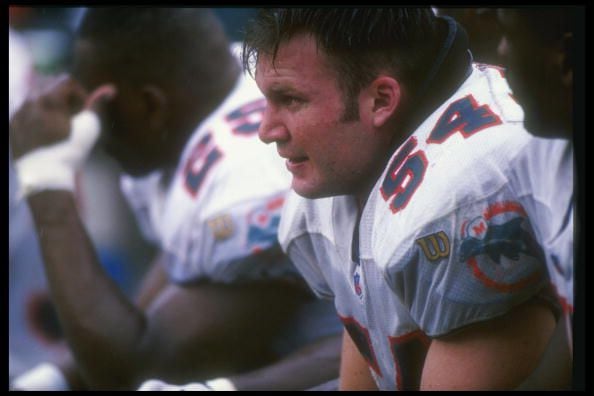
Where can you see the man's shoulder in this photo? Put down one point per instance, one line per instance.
(488, 83)
(302, 216)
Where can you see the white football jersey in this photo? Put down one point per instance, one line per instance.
(443, 240)
(543, 178)
(217, 217)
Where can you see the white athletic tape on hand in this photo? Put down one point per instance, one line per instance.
(44, 377)
(53, 167)
(158, 385)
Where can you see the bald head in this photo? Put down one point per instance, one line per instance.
(171, 68)
(168, 46)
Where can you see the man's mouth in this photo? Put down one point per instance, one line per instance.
(296, 160)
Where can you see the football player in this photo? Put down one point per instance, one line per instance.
(403, 212)
(173, 108)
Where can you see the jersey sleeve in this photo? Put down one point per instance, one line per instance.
(473, 264)
(234, 244)
(451, 232)
(543, 177)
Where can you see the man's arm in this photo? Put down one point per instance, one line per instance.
(96, 316)
(186, 330)
(308, 367)
(354, 370)
(184, 333)
(492, 355)
(312, 367)
(153, 282)
(555, 368)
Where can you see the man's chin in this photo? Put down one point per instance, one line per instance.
(305, 191)
(310, 191)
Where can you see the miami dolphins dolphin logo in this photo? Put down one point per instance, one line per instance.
(485, 241)
(508, 239)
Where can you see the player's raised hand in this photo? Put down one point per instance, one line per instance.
(45, 116)
(50, 137)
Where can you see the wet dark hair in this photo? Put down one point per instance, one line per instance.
(173, 46)
(360, 43)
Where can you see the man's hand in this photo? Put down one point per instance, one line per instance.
(48, 142)
(45, 117)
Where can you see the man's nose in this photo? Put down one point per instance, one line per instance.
(272, 129)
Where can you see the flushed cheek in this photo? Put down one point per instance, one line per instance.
(317, 142)
(326, 168)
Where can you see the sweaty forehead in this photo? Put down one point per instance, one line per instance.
(297, 61)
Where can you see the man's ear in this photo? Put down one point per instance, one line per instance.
(385, 94)
(155, 105)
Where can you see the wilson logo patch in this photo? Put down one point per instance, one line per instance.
(435, 246)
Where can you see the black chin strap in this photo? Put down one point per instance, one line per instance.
(454, 47)
(451, 66)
